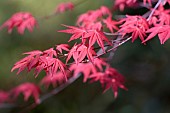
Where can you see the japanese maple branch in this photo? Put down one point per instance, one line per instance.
(115, 47)
(100, 53)
(42, 98)
(156, 6)
(58, 89)
(51, 93)
(54, 91)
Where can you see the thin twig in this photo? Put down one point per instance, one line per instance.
(112, 34)
(156, 6)
(115, 47)
(51, 93)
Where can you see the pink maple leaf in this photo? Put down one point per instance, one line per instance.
(137, 25)
(105, 11)
(21, 20)
(121, 4)
(46, 60)
(90, 16)
(110, 79)
(50, 53)
(95, 35)
(28, 62)
(64, 7)
(88, 68)
(161, 16)
(62, 47)
(92, 26)
(162, 31)
(83, 17)
(50, 65)
(76, 31)
(4, 96)
(55, 80)
(93, 16)
(111, 24)
(79, 52)
(27, 89)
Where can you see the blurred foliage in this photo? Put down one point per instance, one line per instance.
(145, 67)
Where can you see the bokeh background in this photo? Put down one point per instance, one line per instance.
(145, 67)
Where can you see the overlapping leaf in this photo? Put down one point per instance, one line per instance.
(27, 89)
(46, 60)
(79, 52)
(55, 80)
(163, 33)
(76, 31)
(96, 36)
(62, 7)
(109, 79)
(21, 20)
(88, 68)
(136, 26)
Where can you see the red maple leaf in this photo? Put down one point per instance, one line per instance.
(55, 80)
(95, 35)
(105, 11)
(90, 16)
(137, 25)
(46, 60)
(88, 68)
(50, 53)
(111, 24)
(79, 52)
(93, 17)
(21, 20)
(162, 31)
(93, 26)
(109, 79)
(4, 96)
(28, 62)
(62, 47)
(161, 16)
(50, 66)
(27, 89)
(121, 4)
(64, 7)
(76, 31)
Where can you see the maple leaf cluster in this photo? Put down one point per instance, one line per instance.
(47, 60)
(64, 7)
(97, 20)
(146, 29)
(160, 22)
(102, 72)
(136, 25)
(122, 4)
(22, 21)
(62, 62)
(26, 89)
